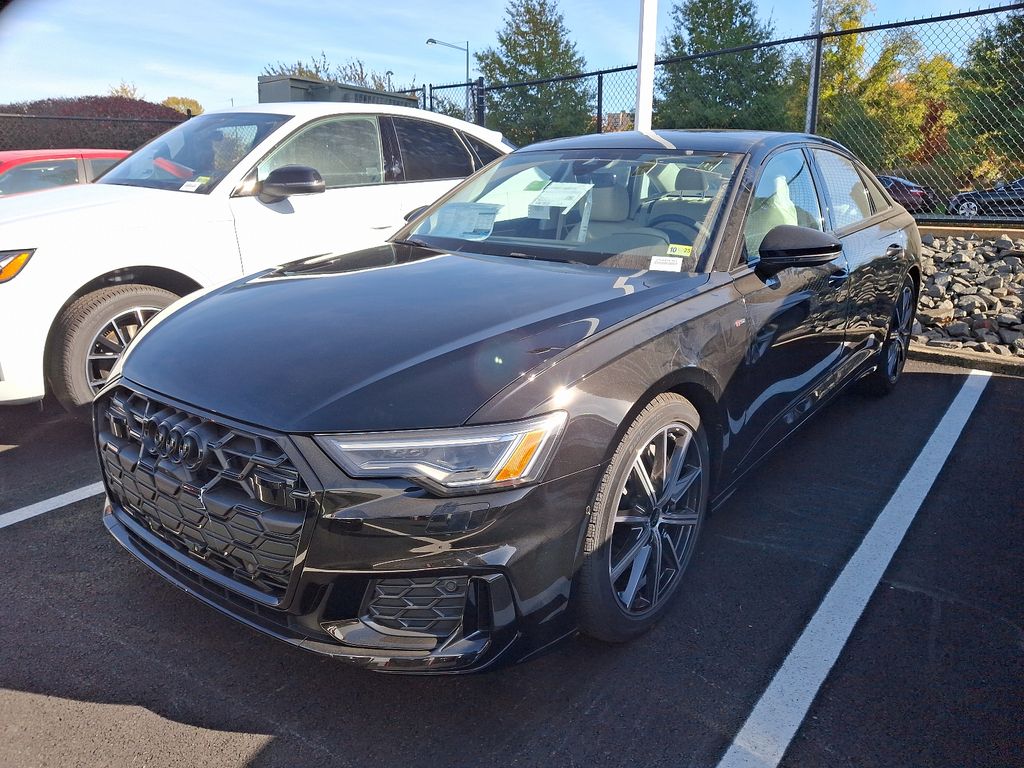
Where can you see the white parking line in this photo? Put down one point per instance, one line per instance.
(42, 507)
(766, 734)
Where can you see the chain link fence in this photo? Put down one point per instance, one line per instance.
(66, 132)
(935, 106)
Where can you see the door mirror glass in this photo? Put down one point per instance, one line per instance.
(789, 246)
(290, 180)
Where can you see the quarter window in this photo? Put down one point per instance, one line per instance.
(848, 198)
(878, 201)
(785, 194)
(431, 151)
(100, 165)
(345, 151)
(485, 153)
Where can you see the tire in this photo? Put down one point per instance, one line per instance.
(892, 355)
(89, 335)
(968, 209)
(618, 597)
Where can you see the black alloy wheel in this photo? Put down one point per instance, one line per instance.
(645, 521)
(892, 356)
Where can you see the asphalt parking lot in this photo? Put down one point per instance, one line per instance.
(103, 663)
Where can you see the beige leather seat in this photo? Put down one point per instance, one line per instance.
(628, 245)
(768, 213)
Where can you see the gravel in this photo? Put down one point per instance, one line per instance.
(973, 294)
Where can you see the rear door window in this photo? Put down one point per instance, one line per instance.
(100, 165)
(431, 151)
(848, 198)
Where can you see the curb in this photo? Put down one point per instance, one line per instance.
(1011, 366)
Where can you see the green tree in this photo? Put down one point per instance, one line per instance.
(736, 90)
(988, 96)
(535, 44)
(183, 104)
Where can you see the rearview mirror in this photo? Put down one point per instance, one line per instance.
(290, 180)
(415, 212)
(790, 246)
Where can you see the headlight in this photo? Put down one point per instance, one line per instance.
(12, 262)
(462, 460)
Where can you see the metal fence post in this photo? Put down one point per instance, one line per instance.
(813, 87)
(430, 98)
(480, 103)
(600, 102)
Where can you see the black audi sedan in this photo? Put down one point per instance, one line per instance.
(509, 423)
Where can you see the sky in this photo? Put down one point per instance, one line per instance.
(213, 50)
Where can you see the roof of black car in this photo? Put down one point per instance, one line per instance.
(698, 140)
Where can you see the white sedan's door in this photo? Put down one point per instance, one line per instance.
(357, 210)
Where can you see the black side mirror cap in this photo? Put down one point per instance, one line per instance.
(789, 246)
(290, 180)
(415, 212)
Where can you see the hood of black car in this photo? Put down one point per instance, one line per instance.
(395, 337)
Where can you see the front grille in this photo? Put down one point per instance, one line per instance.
(228, 498)
(431, 605)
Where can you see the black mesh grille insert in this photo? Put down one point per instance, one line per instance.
(431, 605)
(228, 498)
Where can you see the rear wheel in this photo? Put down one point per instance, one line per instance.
(645, 520)
(893, 354)
(968, 209)
(91, 334)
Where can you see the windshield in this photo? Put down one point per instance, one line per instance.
(196, 155)
(631, 210)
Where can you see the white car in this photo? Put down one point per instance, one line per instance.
(82, 268)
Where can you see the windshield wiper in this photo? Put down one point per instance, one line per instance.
(411, 241)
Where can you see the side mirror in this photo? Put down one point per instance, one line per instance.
(290, 180)
(415, 212)
(789, 246)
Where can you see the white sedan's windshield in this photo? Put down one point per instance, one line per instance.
(634, 210)
(195, 155)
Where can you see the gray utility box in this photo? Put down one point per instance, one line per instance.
(279, 88)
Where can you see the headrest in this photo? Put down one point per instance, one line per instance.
(689, 180)
(609, 204)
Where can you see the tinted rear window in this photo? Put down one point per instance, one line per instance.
(431, 151)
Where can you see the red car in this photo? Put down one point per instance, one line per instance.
(28, 170)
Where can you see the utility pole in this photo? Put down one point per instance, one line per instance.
(645, 64)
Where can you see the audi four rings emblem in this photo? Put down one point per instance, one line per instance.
(168, 440)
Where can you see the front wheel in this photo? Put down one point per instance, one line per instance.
(892, 355)
(645, 520)
(91, 334)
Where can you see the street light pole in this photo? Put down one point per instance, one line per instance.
(433, 41)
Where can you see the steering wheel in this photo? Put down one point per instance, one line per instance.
(676, 218)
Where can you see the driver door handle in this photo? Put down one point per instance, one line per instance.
(893, 250)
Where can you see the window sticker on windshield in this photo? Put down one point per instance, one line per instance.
(557, 194)
(467, 221)
(680, 250)
(667, 263)
(191, 186)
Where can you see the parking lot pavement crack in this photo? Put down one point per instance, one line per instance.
(991, 610)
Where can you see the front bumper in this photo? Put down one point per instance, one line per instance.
(385, 575)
